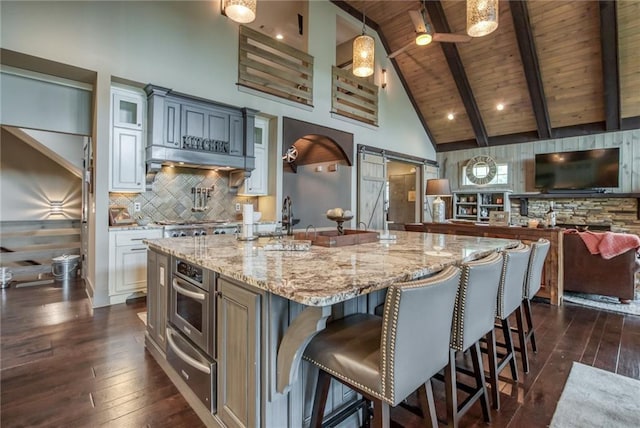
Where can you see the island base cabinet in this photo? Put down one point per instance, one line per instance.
(238, 355)
(157, 293)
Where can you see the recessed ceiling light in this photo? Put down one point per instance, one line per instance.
(500, 106)
(279, 36)
(450, 116)
(181, 163)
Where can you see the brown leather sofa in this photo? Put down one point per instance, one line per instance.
(588, 273)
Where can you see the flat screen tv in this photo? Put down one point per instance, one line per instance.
(580, 170)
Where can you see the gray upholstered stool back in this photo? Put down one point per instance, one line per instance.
(539, 252)
(514, 273)
(475, 308)
(416, 330)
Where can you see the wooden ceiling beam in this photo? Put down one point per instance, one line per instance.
(610, 73)
(440, 24)
(374, 26)
(529, 57)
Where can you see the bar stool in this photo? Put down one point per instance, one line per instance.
(473, 318)
(539, 251)
(386, 359)
(510, 294)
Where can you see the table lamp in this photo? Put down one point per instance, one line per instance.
(438, 187)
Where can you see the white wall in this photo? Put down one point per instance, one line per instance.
(191, 48)
(29, 181)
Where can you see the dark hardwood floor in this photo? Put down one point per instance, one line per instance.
(66, 364)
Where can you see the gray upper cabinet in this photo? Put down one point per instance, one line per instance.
(171, 126)
(197, 132)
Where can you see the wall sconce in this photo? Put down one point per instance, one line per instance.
(384, 78)
(55, 208)
(240, 11)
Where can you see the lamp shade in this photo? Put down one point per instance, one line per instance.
(363, 55)
(482, 17)
(438, 187)
(241, 11)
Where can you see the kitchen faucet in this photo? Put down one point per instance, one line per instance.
(287, 215)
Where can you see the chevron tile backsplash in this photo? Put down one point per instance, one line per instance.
(171, 199)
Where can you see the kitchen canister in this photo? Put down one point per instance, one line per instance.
(65, 267)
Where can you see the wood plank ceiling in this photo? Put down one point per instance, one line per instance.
(559, 68)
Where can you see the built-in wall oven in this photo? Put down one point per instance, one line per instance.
(191, 329)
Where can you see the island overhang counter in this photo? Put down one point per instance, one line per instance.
(295, 293)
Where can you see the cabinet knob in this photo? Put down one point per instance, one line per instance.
(219, 294)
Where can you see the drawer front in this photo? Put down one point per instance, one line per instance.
(135, 237)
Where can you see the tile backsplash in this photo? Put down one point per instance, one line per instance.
(171, 198)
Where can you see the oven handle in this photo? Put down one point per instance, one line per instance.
(185, 292)
(184, 357)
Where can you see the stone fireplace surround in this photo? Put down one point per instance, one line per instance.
(606, 211)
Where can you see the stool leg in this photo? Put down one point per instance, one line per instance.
(451, 390)
(381, 415)
(320, 399)
(531, 331)
(366, 414)
(508, 341)
(476, 355)
(522, 336)
(428, 405)
(493, 369)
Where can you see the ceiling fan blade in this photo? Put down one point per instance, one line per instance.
(418, 21)
(402, 49)
(451, 37)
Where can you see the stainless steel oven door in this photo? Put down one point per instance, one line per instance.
(192, 313)
(196, 369)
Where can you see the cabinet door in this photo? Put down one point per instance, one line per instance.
(157, 280)
(218, 125)
(236, 136)
(131, 268)
(238, 355)
(127, 109)
(257, 183)
(194, 121)
(127, 163)
(171, 126)
(152, 294)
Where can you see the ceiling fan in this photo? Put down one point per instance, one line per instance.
(425, 34)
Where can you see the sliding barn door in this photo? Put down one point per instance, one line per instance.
(371, 190)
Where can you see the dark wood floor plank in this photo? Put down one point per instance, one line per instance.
(66, 364)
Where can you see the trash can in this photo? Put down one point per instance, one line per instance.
(5, 277)
(65, 267)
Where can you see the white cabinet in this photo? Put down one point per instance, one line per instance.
(127, 170)
(258, 183)
(128, 262)
(477, 206)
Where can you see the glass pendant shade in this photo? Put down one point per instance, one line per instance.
(482, 17)
(241, 11)
(363, 55)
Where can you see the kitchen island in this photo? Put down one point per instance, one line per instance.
(269, 304)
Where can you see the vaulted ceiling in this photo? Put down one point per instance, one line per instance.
(560, 68)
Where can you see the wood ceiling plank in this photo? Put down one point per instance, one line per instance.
(575, 22)
(629, 57)
(495, 73)
(440, 25)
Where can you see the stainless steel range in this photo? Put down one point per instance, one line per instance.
(178, 229)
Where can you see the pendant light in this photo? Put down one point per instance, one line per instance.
(482, 17)
(363, 53)
(241, 11)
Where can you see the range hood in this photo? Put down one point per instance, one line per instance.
(193, 132)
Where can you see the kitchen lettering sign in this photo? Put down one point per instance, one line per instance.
(204, 144)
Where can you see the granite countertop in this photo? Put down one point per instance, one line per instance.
(324, 276)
